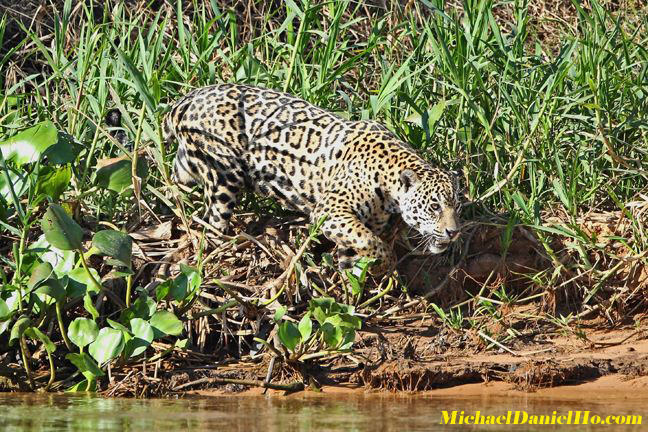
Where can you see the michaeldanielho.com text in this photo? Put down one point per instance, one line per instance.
(523, 417)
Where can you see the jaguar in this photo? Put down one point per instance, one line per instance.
(353, 175)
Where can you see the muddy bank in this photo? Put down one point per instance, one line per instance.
(567, 371)
(619, 372)
(530, 369)
(611, 363)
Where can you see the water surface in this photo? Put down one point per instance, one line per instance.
(331, 412)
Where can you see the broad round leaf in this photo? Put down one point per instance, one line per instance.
(279, 313)
(4, 311)
(64, 151)
(115, 244)
(53, 181)
(166, 323)
(289, 335)
(5, 316)
(144, 307)
(35, 333)
(186, 283)
(305, 327)
(19, 328)
(46, 282)
(116, 174)
(82, 331)
(85, 364)
(332, 335)
(108, 345)
(28, 145)
(53, 288)
(118, 326)
(60, 230)
(143, 336)
(62, 261)
(39, 274)
(163, 289)
(80, 282)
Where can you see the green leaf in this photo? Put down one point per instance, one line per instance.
(324, 303)
(306, 327)
(5, 316)
(60, 230)
(40, 273)
(435, 114)
(87, 385)
(88, 306)
(143, 307)
(64, 151)
(85, 364)
(348, 340)
(5, 312)
(319, 314)
(35, 333)
(53, 288)
(28, 145)
(279, 313)
(350, 321)
(166, 323)
(108, 345)
(45, 282)
(118, 326)
(52, 181)
(116, 174)
(163, 289)
(186, 283)
(80, 283)
(62, 261)
(19, 328)
(332, 334)
(289, 335)
(356, 286)
(82, 331)
(115, 244)
(143, 336)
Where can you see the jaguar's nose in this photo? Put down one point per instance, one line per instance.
(452, 233)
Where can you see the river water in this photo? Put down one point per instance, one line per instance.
(332, 412)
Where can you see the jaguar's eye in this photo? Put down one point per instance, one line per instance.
(435, 207)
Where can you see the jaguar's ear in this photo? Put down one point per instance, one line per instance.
(408, 178)
(457, 176)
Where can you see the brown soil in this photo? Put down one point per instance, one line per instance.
(570, 368)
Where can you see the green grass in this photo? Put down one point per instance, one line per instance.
(537, 129)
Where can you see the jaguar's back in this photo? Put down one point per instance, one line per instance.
(277, 144)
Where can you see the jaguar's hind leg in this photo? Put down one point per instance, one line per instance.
(185, 171)
(222, 187)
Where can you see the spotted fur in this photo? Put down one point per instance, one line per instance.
(356, 173)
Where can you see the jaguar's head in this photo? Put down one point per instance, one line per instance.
(429, 202)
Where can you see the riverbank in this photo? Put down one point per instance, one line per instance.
(609, 364)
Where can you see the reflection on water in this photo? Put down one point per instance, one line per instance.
(333, 412)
